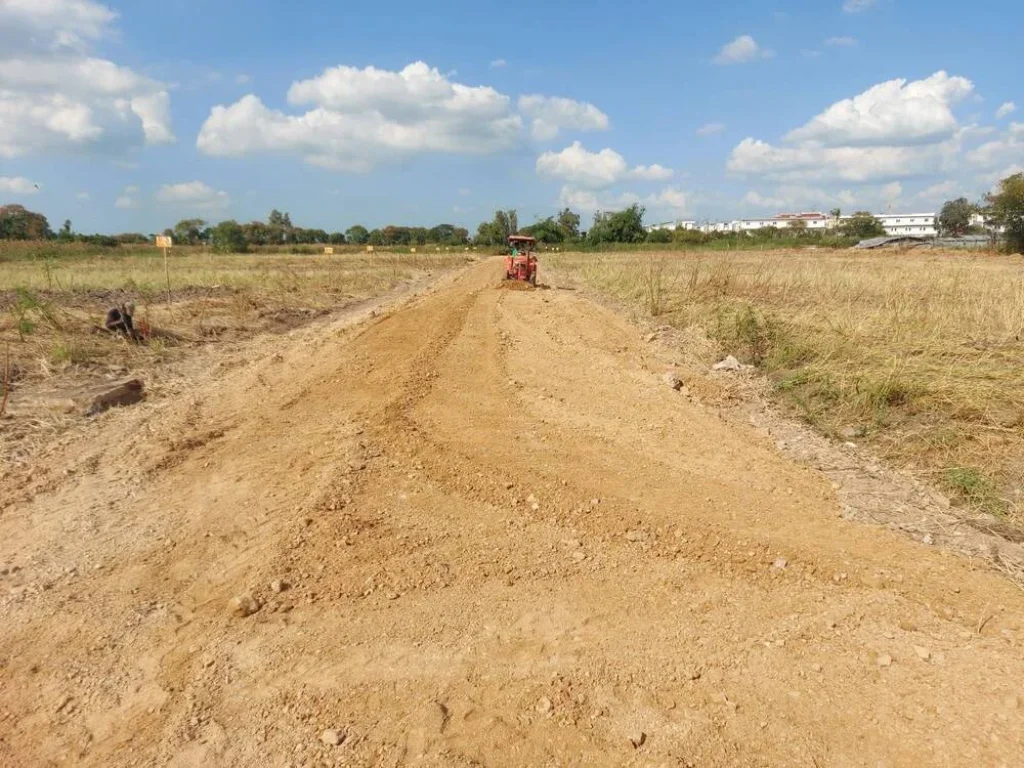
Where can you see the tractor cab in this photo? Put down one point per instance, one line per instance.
(521, 262)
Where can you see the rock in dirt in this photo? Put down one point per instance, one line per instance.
(544, 706)
(277, 586)
(672, 380)
(883, 660)
(636, 536)
(651, 337)
(126, 393)
(637, 739)
(244, 605)
(780, 563)
(922, 653)
(729, 364)
(332, 737)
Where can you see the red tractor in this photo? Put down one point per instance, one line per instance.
(521, 262)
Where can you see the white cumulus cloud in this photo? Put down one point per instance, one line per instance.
(894, 130)
(54, 95)
(894, 112)
(551, 114)
(1005, 110)
(844, 41)
(17, 185)
(653, 172)
(579, 167)
(742, 50)
(360, 117)
(196, 195)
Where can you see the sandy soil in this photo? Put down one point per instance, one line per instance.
(481, 529)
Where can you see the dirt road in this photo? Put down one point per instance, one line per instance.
(500, 539)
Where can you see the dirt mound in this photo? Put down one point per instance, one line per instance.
(479, 529)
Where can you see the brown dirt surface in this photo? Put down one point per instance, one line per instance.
(477, 528)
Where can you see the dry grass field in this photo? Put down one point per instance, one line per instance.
(919, 355)
(53, 300)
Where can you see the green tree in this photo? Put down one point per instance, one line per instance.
(228, 237)
(189, 231)
(280, 226)
(507, 223)
(336, 238)
(569, 223)
(659, 235)
(357, 234)
(954, 219)
(836, 213)
(621, 227)
(375, 237)
(798, 227)
(545, 231)
(65, 231)
(19, 223)
(863, 225)
(1005, 208)
(256, 233)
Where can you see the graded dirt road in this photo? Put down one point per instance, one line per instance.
(503, 540)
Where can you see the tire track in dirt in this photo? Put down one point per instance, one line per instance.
(503, 542)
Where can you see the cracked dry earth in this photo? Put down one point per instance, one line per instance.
(479, 529)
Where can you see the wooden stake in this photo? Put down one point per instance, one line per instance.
(167, 274)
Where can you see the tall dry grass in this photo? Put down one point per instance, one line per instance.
(919, 354)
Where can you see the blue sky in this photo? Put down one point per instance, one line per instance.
(127, 116)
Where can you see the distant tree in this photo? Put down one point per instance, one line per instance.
(228, 237)
(507, 223)
(1005, 208)
(497, 231)
(132, 238)
(862, 225)
(622, 227)
(545, 231)
(954, 219)
(65, 231)
(659, 236)
(280, 226)
(336, 238)
(836, 213)
(256, 233)
(489, 233)
(190, 231)
(19, 223)
(375, 237)
(798, 227)
(357, 235)
(569, 223)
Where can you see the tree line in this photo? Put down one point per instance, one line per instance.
(1003, 209)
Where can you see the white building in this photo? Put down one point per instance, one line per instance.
(811, 221)
(672, 225)
(908, 224)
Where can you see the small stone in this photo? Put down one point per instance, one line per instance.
(579, 557)
(780, 563)
(651, 337)
(637, 739)
(672, 380)
(816, 667)
(636, 536)
(244, 605)
(509, 486)
(729, 364)
(544, 706)
(922, 653)
(883, 660)
(277, 586)
(928, 539)
(332, 737)
(531, 499)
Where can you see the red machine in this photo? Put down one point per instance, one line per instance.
(521, 263)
